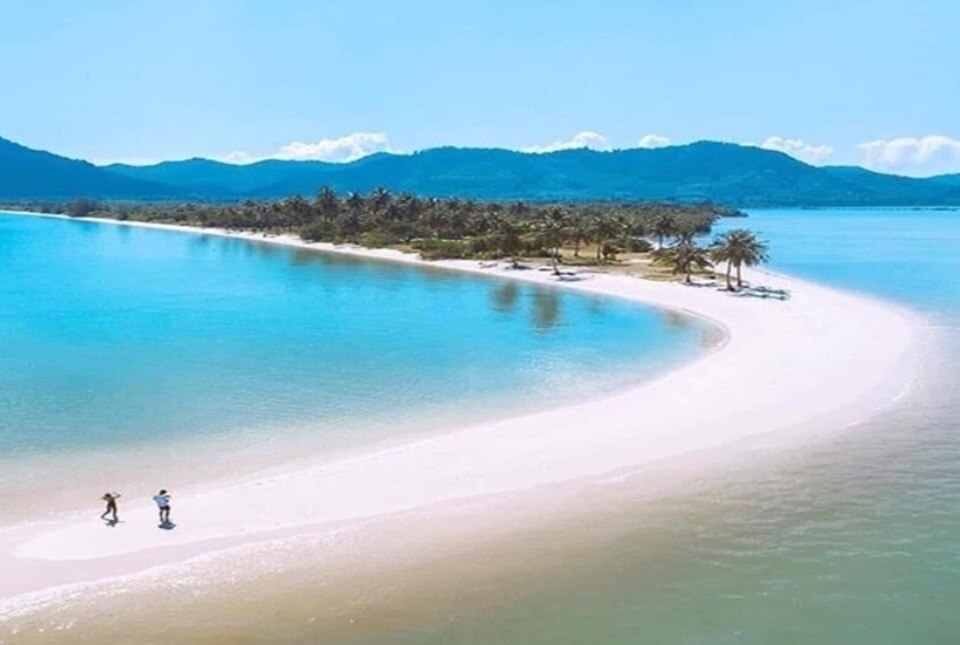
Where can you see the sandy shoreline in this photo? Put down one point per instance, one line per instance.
(823, 358)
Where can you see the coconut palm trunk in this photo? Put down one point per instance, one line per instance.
(729, 268)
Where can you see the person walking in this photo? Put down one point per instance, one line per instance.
(111, 500)
(162, 499)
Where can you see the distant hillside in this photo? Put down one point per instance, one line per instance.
(704, 171)
(947, 180)
(898, 190)
(34, 174)
(213, 179)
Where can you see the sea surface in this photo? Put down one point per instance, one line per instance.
(853, 537)
(134, 358)
(849, 535)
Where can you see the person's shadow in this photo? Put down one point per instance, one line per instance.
(112, 523)
(167, 525)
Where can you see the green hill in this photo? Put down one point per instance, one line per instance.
(34, 174)
(704, 171)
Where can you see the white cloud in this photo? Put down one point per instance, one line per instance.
(808, 152)
(930, 155)
(653, 141)
(585, 139)
(346, 148)
(239, 156)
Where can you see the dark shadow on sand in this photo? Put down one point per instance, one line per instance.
(764, 292)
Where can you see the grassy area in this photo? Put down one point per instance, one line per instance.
(640, 265)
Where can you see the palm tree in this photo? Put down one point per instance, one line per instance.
(579, 226)
(553, 230)
(737, 248)
(684, 256)
(663, 226)
(355, 201)
(720, 251)
(327, 204)
(379, 199)
(296, 210)
(633, 229)
(435, 220)
(509, 238)
(518, 209)
(604, 228)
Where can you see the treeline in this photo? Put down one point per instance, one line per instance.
(437, 228)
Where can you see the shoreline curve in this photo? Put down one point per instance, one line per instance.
(822, 358)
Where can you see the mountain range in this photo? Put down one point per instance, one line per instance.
(724, 173)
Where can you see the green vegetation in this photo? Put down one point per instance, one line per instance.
(737, 248)
(606, 236)
(741, 176)
(685, 256)
(83, 207)
(436, 228)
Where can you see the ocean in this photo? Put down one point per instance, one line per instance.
(851, 537)
(132, 356)
(846, 535)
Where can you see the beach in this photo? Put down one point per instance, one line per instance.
(822, 358)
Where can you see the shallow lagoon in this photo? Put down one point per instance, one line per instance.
(125, 350)
(849, 537)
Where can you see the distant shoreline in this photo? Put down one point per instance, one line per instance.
(821, 358)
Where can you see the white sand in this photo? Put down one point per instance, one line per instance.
(821, 359)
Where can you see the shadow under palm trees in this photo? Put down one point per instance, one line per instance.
(764, 293)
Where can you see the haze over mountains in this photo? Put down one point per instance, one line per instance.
(704, 171)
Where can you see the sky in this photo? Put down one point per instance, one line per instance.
(868, 82)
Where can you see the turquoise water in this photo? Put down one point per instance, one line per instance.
(120, 340)
(903, 255)
(852, 538)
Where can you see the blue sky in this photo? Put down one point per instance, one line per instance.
(859, 81)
